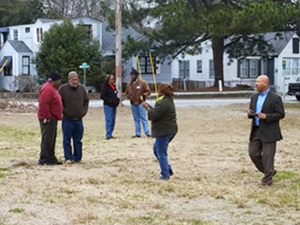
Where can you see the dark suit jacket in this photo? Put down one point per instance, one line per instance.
(269, 129)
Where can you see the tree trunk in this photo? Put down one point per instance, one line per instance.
(218, 52)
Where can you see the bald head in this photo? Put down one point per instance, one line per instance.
(262, 83)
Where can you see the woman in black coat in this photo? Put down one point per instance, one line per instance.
(110, 102)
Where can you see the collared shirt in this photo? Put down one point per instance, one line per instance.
(259, 104)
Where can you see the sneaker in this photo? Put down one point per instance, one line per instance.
(136, 136)
(148, 135)
(68, 161)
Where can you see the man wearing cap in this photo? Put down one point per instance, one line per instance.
(136, 91)
(75, 106)
(49, 112)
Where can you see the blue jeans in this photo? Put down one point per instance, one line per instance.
(160, 149)
(139, 115)
(72, 129)
(110, 119)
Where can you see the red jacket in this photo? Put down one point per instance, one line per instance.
(50, 103)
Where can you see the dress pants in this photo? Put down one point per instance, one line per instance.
(262, 155)
(48, 132)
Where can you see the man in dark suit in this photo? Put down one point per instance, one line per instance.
(266, 109)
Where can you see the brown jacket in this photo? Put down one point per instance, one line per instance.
(75, 101)
(137, 91)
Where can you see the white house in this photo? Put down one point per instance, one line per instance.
(19, 45)
(199, 68)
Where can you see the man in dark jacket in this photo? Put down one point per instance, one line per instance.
(75, 106)
(49, 112)
(109, 94)
(265, 110)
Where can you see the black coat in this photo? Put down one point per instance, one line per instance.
(269, 130)
(109, 96)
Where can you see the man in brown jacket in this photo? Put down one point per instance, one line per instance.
(75, 106)
(136, 91)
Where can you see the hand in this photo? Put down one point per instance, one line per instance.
(146, 105)
(251, 113)
(261, 116)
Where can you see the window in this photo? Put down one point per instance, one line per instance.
(16, 35)
(25, 65)
(296, 45)
(7, 71)
(27, 29)
(184, 69)
(211, 69)
(89, 31)
(292, 66)
(39, 34)
(248, 68)
(145, 64)
(199, 66)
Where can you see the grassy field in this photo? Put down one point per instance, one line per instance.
(214, 180)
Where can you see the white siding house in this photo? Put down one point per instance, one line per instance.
(19, 45)
(199, 68)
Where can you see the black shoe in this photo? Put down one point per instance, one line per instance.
(274, 173)
(148, 135)
(267, 183)
(136, 136)
(41, 163)
(171, 172)
(112, 137)
(55, 163)
(49, 163)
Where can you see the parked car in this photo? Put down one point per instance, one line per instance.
(294, 89)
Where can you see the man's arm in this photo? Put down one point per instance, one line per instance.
(278, 111)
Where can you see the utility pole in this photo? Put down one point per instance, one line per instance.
(118, 46)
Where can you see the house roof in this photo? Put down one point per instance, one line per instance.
(45, 20)
(108, 37)
(19, 46)
(278, 40)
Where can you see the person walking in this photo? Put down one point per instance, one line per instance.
(266, 110)
(109, 94)
(49, 112)
(136, 91)
(164, 127)
(75, 106)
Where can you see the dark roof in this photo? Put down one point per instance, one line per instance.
(278, 40)
(19, 46)
(108, 38)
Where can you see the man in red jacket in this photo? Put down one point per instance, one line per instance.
(49, 112)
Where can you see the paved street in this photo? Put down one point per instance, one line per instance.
(197, 102)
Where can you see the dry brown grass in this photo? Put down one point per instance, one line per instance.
(214, 181)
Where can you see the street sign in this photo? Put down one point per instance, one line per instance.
(84, 66)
